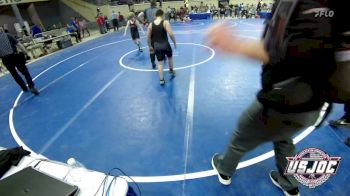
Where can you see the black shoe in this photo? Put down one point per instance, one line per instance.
(274, 179)
(340, 122)
(140, 50)
(347, 141)
(162, 82)
(25, 89)
(225, 180)
(154, 66)
(172, 74)
(34, 90)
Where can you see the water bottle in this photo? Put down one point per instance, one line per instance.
(77, 169)
(74, 163)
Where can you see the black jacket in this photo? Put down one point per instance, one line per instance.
(11, 157)
(305, 51)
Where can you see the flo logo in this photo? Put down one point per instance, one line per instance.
(320, 12)
(312, 167)
(325, 13)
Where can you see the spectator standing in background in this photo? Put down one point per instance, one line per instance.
(222, 12)
(98, 12)
(107, 23)
(258, 7)
(168, 12)
(150, 12)
(84, 28)
(201, 8)
(101, 23)
(121, 18)
(114, 18)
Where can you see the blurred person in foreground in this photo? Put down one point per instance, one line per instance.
(295, 45)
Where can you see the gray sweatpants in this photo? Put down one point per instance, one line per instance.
(258, 125)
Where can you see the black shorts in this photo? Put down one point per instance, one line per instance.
(162, 52)
(135, 35)
(115, 22)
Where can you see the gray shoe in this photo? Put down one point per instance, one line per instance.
(347, 141)
(34, 90)
(274, 178)
(172, 74)
(225, 180)
(340, 122)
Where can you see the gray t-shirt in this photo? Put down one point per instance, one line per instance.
(150, 14)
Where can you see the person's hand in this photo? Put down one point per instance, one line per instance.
(220, 36)
(151, 50)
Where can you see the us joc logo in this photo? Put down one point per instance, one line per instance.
(312, 167)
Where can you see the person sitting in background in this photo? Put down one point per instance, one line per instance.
(172, 14)
(182, 14)
(36, 31)
(71, 30)
(25, 32)
(74, 23)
